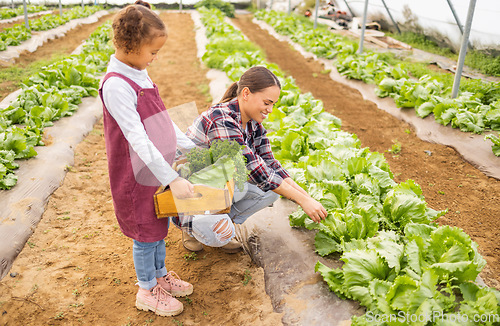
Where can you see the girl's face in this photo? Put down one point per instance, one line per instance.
(256, 106)
(146, 55)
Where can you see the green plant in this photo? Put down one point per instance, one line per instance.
(395, 148)
(191, 256)
(247, 277)
(226, 7)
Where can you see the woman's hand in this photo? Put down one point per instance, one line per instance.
(181, 188)
(311, 206)
(313, 209)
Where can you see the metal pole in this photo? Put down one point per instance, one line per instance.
(347, 5)
(82, 5)
(26, 21)
(362, 37)
(456, 16)
(316, 14)
(180, 5)
(463, 48)
(12, 4)
(390, 16)
(460, 26)
(289, 7)
(60, 8)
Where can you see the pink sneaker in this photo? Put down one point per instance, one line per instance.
(173, 284)
(159, 301)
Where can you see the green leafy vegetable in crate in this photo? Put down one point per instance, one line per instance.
(216, 165)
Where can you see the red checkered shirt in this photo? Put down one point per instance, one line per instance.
(223, 121)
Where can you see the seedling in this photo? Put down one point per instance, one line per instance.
(246, 277)
(396, 147)
(59, 315)
(178, 322)
(191, 256)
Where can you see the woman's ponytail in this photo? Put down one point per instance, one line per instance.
(256, 79)
(230, 93)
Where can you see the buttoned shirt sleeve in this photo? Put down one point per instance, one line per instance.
(263, 149)
(121, 102)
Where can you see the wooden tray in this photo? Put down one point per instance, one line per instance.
(208, 200)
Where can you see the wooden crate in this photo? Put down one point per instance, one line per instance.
(208, 200)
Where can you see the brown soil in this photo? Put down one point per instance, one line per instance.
(77, 267)
(62, 46)
(447, 181)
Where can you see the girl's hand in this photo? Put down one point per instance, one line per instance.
(314, 209)
(181, 188)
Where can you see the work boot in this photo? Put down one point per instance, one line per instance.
(173, 284)
(190, 243)
(159, 301)
(232, 247)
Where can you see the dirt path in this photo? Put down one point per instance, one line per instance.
(77, 267)
(472, 199)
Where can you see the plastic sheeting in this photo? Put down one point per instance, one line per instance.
(39, 38)
(473, 148)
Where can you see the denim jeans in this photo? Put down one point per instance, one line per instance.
(245, 203)
(149, 262)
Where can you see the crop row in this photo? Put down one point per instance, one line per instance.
(19, 33)
(396, 259)
(476, 109)
(6, 13)
(48, 95)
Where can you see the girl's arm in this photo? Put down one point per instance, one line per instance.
(183, 142)
(121, 100)
(311, 207)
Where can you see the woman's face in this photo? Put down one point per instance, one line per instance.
(256, 106)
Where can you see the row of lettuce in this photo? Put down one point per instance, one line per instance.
(48, 95)
(18, 33)
(6, 13)
(396, 260)
(476, 109)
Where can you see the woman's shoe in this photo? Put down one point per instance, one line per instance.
(190, 243)
(232, 247)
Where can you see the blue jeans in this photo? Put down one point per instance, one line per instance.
(149, 262)
(245, 203)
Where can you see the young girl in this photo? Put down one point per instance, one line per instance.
(141, 142)
(239, 117)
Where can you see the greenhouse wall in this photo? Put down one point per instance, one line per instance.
(434, 18)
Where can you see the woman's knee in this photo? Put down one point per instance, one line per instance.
(219, 234)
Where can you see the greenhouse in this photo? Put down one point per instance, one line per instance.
(344, 155)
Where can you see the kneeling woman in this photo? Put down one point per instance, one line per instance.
(239, 117)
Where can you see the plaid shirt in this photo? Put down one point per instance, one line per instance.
(223, 121)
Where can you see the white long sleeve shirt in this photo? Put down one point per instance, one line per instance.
(121, 102)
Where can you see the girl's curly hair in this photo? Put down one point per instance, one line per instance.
(136, 25)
